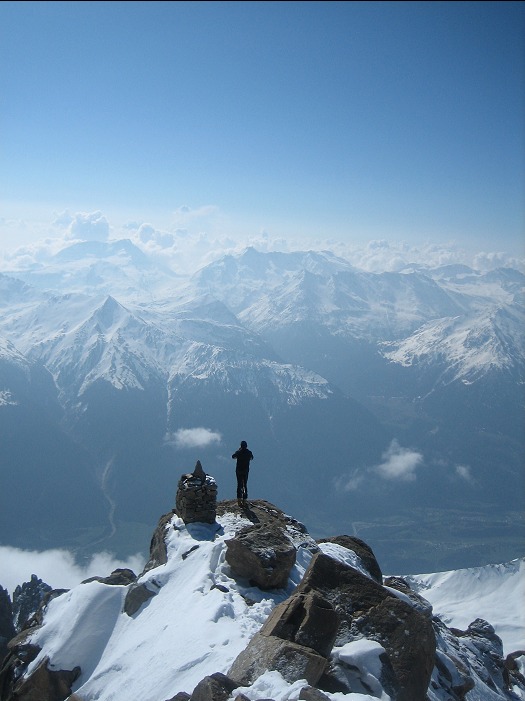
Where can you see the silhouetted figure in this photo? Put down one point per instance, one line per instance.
(243, 457)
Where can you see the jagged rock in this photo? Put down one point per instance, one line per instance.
(216, 687)
(305, 619)
(261, 554)
(367, 609)
(27, 598)
(181, 696)
(119, 577)
(158, 553)
(267, 652)
(44, 684)
(362, 550)
(416, 600)
(7, 629)
(137, 595)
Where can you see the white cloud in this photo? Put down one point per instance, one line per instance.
(194, 437)
(464, 472)
(91, 226)
(58, 568)
(399, 463)
(350, 483)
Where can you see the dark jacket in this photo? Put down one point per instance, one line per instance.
(243, 457)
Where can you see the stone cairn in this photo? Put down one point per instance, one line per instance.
(196, 500)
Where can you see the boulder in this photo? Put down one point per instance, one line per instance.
(119, 577)
(305, 619)
(43, 684)
(267, 652)
(368, 610)
(362, 550)
(137, 595)
(216, 687)
(263, 555)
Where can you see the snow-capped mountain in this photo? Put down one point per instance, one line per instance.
(187, 624)
(389, 405)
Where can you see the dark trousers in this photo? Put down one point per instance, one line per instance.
(242, 483)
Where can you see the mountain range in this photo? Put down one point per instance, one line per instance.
(386, 406)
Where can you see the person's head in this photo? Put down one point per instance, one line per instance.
(244, 444)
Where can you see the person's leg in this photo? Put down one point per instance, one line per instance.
(245, 490)
(240, 485)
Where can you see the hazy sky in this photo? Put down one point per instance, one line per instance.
(337, 120)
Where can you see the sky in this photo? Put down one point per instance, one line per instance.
(311, 122)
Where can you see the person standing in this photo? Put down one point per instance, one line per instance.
(243, 457)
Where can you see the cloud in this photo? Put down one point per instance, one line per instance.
(58, 568)
(88, 227)
(399, 463)
(193, 437)
(464, 472)
(352, 482)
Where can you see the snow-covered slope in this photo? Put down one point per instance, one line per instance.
(494, 592)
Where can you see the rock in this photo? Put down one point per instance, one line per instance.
(181, 696)
(362, 550)
(216, 687)
(265, 652)
(27, 598)
(137, 595)
(368, 610)
(310, 693)
(7, 629)
(263, 555)
(119, 577)
(43, 684)
(158, 553)
(305, 619)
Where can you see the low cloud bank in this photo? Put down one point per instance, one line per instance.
(193, 437)
(58, 568)
(196, 237)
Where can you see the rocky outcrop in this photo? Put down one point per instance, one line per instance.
(7, 628)
(368, 610)
(26, 600)
(44, 684)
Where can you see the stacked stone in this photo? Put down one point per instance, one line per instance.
(196, 500)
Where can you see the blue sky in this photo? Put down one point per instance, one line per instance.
(344, 121)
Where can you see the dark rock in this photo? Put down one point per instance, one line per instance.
(416, 600)
(362, 550)
(181, 696)
(44, 684)
(310, 693)
(137, 595)
(27, 598)
(263, 555)
(119, 577)
(7, 629)
(158, 553)
(367, 609)
(216, 687)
